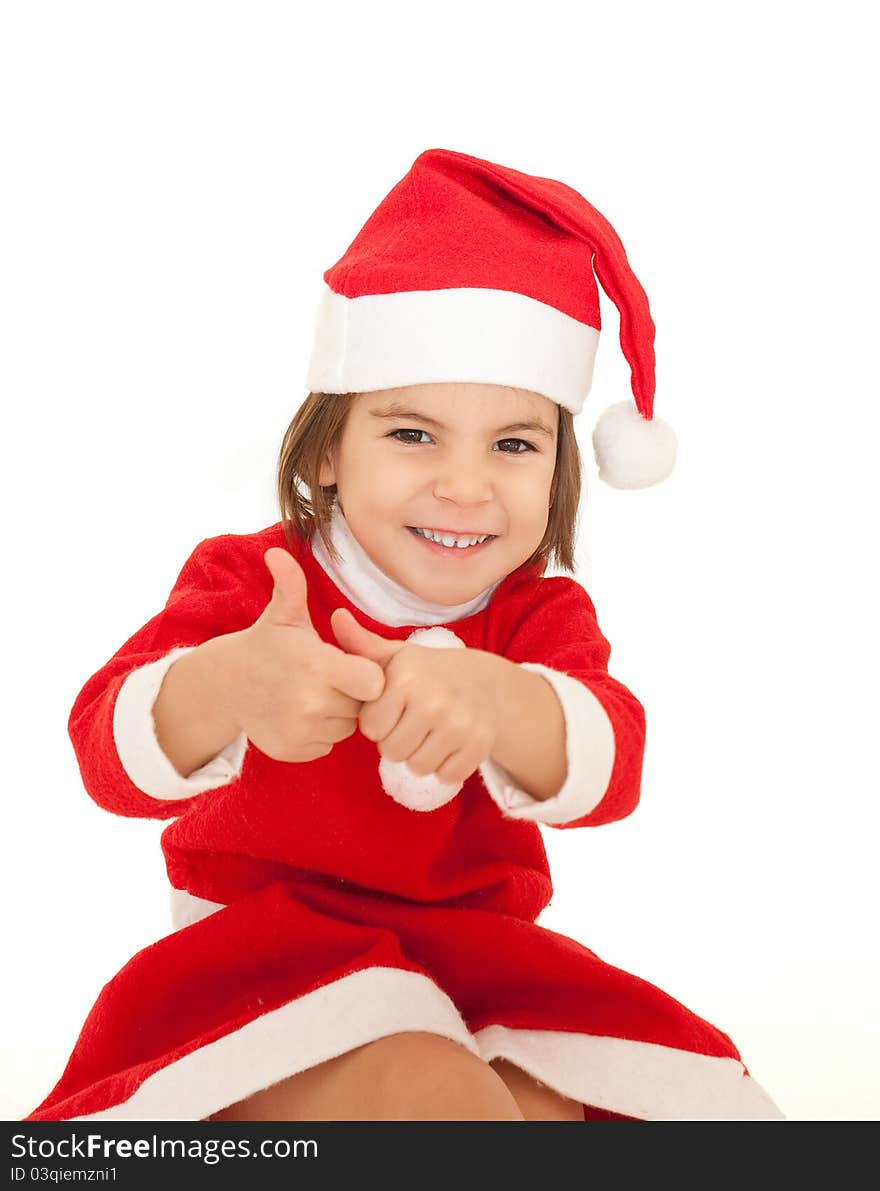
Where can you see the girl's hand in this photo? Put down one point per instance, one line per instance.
(438, 710)
(296, 695)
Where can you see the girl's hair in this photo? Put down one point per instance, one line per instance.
(317, 428)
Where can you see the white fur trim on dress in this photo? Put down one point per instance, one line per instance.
(589, 751)
(638, 1079)
(134, 733)
(489, 336)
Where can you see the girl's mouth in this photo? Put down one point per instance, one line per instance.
(451, 551)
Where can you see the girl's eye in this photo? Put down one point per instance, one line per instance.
(527, 445)
(396, 432)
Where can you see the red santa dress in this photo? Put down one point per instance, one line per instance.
(313, 913)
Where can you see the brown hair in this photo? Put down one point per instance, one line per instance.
(314, 433)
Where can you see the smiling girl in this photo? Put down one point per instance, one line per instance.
(358, 717)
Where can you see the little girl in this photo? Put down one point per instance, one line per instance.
(357, 717)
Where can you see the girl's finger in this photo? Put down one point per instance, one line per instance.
(468, 759)
(335, 728)
(435, 750)
(407, 736)
(377, 720)
(459, 765)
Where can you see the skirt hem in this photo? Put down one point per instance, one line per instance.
(617, 1076)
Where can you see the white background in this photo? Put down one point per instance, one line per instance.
(177, 177)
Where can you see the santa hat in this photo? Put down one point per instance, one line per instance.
(471, 271)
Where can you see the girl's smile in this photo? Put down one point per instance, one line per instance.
(444, 551)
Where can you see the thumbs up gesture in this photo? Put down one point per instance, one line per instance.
(438, 710)
(297, 695)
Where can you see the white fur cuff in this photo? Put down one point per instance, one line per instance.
(589, 747)
(134, 733)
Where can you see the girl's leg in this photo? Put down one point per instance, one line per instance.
(537, 1102)
(409, 1076)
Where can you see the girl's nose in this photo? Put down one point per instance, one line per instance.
(464, 485)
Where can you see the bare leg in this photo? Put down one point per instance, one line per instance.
(537, 1102)
(408, 1076)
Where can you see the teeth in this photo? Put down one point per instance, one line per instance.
(449, 540)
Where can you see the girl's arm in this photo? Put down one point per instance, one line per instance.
(193, 714)
(115, 738)
(570, 748)
(530, 745)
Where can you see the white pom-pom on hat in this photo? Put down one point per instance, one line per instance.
(633, 451)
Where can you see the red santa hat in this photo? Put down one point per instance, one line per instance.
(471, 271)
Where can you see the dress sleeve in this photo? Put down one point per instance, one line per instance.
(559, 638)
(111, 725)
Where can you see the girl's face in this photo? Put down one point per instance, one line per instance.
(458, 457)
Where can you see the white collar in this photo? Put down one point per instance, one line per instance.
(371, 590)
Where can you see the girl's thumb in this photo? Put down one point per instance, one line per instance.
(288, 604)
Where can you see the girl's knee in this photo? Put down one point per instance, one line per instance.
(408, 1076)
(423, 1076)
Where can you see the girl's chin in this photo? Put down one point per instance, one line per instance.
(446, 595)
